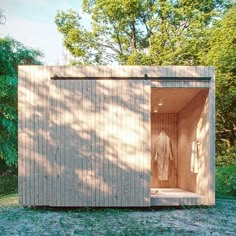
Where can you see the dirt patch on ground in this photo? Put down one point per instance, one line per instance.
(218, 220)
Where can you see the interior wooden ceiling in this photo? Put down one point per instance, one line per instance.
(174, 99)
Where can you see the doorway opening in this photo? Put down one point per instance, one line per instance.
(179, 145)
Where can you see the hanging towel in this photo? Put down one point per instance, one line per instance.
(194, 158)
(162, 155)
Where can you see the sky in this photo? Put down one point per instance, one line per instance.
(32, 23)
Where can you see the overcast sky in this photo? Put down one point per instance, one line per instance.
(32, 23)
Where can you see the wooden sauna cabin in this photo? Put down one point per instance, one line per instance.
(116, 136)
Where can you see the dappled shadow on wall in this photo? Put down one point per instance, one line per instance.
(95, 150)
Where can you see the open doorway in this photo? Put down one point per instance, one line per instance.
(180, 122)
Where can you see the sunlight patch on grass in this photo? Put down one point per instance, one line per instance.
(9, 200)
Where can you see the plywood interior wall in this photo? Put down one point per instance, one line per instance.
(193, 125)
(188, 124)
(167, 122)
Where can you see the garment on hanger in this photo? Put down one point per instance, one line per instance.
(194, 158)
(162, 155)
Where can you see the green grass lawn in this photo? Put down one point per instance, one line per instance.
(9, 200)
(218, 220)
(15, 220)
(8, 190)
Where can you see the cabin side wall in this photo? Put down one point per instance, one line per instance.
(41, 170)
(34, 167)
(211, 111)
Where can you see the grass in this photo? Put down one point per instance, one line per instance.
(9, 200)
(15, 220)
(8, 184)
(8, 187)
(225, 196)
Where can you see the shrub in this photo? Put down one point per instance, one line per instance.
(226, 179)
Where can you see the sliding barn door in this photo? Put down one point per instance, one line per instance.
(100, 143)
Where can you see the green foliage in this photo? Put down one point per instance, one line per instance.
(222, 43)
(8, 121)
(142, 32)
(222, 54)
(12, 54)
(8, 184)
(227, 156)
(226, 179)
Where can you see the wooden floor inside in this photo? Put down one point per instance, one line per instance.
(176, 197)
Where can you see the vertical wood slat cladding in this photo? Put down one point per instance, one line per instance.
(54, 171)
(32, 147)
(21, 138)
(79, 156)
(146, 144)
(167, 122)
(211, 112)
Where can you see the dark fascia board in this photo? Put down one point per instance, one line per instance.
(133, 78)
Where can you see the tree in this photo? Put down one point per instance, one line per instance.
(221, 53)
(139, 31)
(12, 54)
(164, 32)
(2, 17)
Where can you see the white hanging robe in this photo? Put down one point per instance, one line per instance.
(163, 155)
(194, 158)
